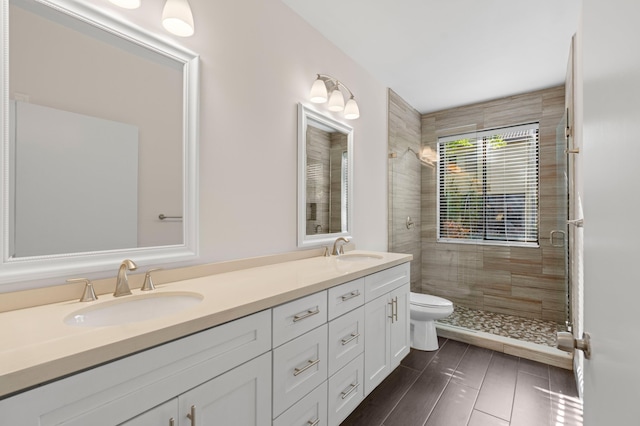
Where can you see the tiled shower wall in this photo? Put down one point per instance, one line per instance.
(404, 183)
(528, 282)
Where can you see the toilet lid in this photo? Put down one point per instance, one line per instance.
(429, 300)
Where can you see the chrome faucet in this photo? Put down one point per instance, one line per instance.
(122, 282)
(338, 250)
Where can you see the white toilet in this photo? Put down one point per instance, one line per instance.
(425, 310)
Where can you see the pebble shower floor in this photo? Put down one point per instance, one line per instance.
(525, 329)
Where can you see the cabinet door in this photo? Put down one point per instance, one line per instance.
(240, 397)
(377, 363)
(400, 326)
(163, 415)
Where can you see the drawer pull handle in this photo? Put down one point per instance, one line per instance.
(172, 422)
(352, 389)
(351, 295)
(307, 314)
(353, 336)
(310, 364)
(192, 415)
(314, 423)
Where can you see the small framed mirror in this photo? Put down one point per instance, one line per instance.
(325, 183)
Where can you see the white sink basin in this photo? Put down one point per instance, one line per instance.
(358, 257)
(128, 309)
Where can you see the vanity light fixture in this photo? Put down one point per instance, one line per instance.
(328, 88)
(177, 17)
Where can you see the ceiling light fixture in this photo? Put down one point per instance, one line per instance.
(177, 17)
(328, 88)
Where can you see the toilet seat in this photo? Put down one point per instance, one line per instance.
(429, 301)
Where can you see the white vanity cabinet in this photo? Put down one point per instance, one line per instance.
(387, 337)
(150, 384)
(310, 361)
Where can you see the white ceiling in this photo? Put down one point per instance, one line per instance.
(438, 54)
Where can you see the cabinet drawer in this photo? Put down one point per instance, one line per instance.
(309, 410)
(346, 339)
(381, 283)
(298, 367)
(346, 390)
(299, 316)
(345, 297)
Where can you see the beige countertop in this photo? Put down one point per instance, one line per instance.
(36, 345)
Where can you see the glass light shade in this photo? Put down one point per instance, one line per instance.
(336, 101)
(318, 93)
(177, 18)
(351, 110)
(127, 4)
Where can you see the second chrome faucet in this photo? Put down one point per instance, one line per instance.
(122, 282)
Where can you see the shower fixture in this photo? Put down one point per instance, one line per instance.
(425, 160)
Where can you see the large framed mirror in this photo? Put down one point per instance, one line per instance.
(99, 143)
(325, 178)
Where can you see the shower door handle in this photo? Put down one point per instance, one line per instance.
(551, 239)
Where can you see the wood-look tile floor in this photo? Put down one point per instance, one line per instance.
(464, 385)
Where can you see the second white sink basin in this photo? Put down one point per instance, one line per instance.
(358, 257)
(128, 309)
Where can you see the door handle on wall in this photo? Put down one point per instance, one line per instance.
(568, 343)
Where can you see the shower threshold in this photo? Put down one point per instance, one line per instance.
(522, 337)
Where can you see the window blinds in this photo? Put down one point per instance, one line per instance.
(488, 186)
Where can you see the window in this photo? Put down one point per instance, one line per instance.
(488, 186)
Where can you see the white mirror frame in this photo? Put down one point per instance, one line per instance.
(15, 270)
(304, 115)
